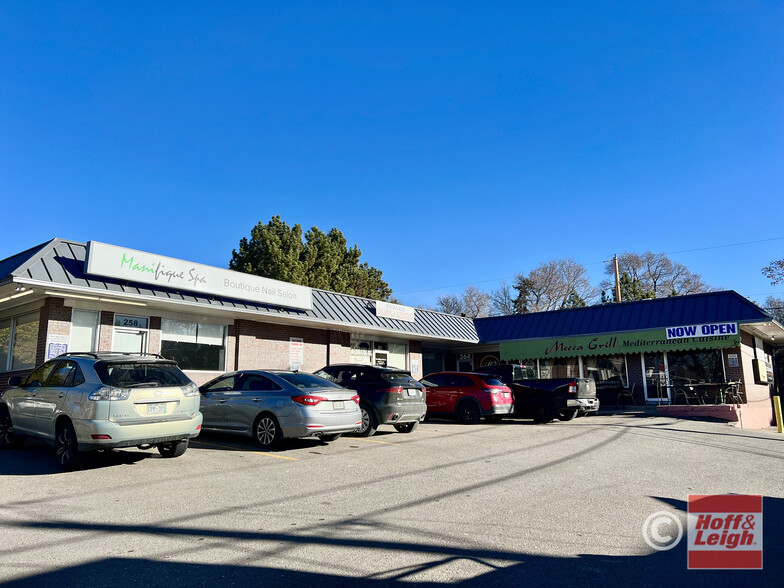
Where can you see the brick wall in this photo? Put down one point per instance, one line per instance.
(266, 346)
(106, 331)
(339, 347)
(733, 373)
(232, 349)
(154, 335)
(636, 376)
(55, 319)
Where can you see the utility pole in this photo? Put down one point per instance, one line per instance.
(617, 279)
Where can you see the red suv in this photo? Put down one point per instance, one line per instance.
(468, 396)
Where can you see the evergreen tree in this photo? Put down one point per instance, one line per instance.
(323, 260)
(632, 289)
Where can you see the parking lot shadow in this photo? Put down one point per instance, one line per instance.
(35, 458)
(216, 441)
(504, 568)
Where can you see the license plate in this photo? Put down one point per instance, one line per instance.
(412, 392)
(337, 405)
(159, 408)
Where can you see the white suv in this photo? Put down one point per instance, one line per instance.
(86, 401)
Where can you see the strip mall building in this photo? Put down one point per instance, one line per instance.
(69, 296)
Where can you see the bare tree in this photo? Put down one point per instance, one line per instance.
(657, 275)
(775, 271)
(476, 302)
(472, 302)
(775, 308)
(561, 283)
(450, 304)
(502, 300)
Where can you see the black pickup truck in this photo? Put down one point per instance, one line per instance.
(546, 399)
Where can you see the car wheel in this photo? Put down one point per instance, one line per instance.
(369, 423)
(567, 415)
(407, 427)
(66, 447)
(173, 449)
(266, 431)
(8, 440)
(468, 413)
(496, 418)
(330, 438)
(544, 412)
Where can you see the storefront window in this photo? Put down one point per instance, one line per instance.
(695, 366)
(397, 355)
(567, 367)
(608, 371)
(194, 346)
(5, 343)
(530, 369)
(25, 341)
(379, 353)
(84, 330)
(655, 377)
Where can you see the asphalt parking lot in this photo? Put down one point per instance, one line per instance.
(490, 505)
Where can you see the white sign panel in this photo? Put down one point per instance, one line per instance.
(296, 353)
(137, 266)
(702, 330)
(395, 311)
(56, 345)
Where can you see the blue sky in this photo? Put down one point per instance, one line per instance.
(455, 142)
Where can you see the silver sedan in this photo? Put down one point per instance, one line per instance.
(272, 405)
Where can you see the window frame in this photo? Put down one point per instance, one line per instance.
(12, 336)
(223, 346)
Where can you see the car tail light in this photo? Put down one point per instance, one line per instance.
(101, 437)
(110, 393)
(355, 398)
(572, 387)
(190, 390)
(397, 390)
(308, 400)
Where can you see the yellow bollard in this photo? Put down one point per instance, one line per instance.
(777, 406)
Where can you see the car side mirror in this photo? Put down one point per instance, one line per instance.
(14, 381)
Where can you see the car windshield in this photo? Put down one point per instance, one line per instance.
(307, 381)
(399, 378)
(140, 374)
(491, 380)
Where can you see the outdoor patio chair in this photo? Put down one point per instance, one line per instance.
(626, 393)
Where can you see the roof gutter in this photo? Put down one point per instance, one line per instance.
(80, 292)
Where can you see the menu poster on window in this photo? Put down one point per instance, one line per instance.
(296, 353)
(56, 345)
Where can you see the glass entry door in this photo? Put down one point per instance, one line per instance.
(129, 341)
(656, 384)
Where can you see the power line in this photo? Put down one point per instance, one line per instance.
(596, 263)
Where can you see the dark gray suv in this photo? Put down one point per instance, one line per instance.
(386, 395)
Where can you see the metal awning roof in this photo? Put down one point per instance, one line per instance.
(642, 315)
(58, 268)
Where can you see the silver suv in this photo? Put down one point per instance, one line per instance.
(80, 402)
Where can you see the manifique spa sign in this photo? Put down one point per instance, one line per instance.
(147, 268)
